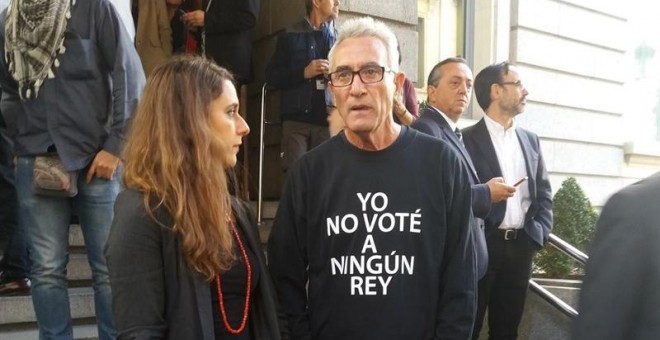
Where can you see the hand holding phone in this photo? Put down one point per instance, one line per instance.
(518, 182)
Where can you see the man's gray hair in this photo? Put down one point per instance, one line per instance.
(368, 27)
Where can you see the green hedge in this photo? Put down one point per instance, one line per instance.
(574, 222)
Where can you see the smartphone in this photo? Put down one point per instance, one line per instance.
(180, 12)
(518, 182)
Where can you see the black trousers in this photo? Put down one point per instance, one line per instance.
(502, 291)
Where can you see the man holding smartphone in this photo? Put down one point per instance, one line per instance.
(519, 226)
(449, 88)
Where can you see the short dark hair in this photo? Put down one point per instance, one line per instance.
(492, 74)
(309, 5)
(435, 74)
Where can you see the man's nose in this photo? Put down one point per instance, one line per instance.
(357, 86)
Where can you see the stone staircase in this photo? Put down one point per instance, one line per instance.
(17, 318)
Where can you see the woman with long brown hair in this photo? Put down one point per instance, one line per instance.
(183, 254)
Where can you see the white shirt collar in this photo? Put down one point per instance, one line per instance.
(451, 123)
(496, 128)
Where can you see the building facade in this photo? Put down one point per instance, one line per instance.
(574, 60)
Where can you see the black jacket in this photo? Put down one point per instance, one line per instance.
(228, 27)
(157, 296)
(432, 123)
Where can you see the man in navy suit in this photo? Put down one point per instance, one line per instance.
(449, 87)
(519, 226)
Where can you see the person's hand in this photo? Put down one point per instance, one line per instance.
(499, 191)
(400, 110)
(398, 106)
(193, 19)
(103, 166)
(317, 67)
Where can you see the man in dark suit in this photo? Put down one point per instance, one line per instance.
(449, 87)
(519, 226)
(227, 27)
(620, 297)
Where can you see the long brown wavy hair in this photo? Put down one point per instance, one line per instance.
(173, 157)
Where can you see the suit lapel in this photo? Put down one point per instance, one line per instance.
(486, 148)
(451, 137)
(531, 158)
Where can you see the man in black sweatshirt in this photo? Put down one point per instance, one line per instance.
(372, 237)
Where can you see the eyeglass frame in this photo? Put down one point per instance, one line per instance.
(518, 83)
(353, 73)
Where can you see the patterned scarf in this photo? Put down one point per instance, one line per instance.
(34, 36)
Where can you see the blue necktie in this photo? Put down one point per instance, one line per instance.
(459, 135)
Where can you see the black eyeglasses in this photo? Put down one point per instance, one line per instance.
(368, 75)
(517, 83)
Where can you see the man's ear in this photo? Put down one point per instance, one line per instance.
(430, 90)
(495, 91)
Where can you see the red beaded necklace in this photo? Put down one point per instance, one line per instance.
(248, 287)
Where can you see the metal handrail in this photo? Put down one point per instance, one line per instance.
(553, 299)
(575, 254)
(261, 152)
(262, 146)
(568, 249)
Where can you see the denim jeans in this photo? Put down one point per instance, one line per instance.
(14, 263)
(46, 220)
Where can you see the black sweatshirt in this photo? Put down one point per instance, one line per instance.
(381, 238)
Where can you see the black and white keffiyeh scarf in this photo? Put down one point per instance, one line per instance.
(34, 36)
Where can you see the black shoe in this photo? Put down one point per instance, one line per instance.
(13, 285)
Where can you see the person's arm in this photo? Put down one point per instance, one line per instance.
(287, 259)
(458, 279)
(121, 59)
(481, 203)
(543, 217)
(401, 112)
(244, 17)
(410, 98)
(133, 252)
(279, 73)
(10, 105)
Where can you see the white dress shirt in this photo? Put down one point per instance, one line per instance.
(512, 163)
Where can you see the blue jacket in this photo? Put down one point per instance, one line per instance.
(296, 47)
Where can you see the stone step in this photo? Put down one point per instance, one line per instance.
(76, 239)
(18, 309)
(30, 332)
(78, 268)
(268, 209)
(264, 230)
